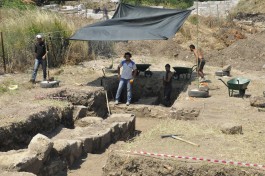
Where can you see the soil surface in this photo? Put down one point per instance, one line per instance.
(246, 58)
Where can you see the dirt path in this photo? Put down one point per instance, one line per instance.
(93, 163)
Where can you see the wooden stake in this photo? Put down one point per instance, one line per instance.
(3, 50)
(107, 100)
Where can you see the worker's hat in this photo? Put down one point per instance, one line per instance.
(38, 36)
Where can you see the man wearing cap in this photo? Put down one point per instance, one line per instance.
(40, 58)
(167, 82)
(126, 77)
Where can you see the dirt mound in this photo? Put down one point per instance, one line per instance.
(245, 54)
(147, 48)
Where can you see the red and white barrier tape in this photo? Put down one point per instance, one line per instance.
(196, 159)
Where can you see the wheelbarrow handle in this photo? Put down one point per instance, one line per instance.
(193, 67)
(223, 82)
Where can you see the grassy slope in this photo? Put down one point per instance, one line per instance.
(251, 6)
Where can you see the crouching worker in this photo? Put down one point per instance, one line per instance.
(126, 77)
(167, 82)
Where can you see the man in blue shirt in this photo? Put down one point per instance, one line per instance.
(126, 77)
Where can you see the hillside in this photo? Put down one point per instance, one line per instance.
(251, 6)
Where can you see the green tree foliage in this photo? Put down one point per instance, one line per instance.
(182, 4)
(15, 4)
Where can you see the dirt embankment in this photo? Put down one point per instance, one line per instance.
(120, 164)
(245, 54)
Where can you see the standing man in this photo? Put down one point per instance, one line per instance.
(201, 62)
(126, 77)
(167, 82)
(40, 58)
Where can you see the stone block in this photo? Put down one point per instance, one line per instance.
(54, 168)
(86, 121)
(114, 131)
(257, 102)
(227, 68)
(62, 147)
(231, 128)
(87, 143)
(20, 160)
(75, 150)
(41, 146)
(120, 118)
(80, 112)
(105, 138)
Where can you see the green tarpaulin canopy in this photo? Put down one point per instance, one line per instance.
(135, 23)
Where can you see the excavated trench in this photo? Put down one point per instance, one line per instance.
(51, 140)
(145, 90)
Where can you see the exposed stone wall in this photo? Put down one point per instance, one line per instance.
(47, 119)
(214, 8)
(52, 156)
(19, 134)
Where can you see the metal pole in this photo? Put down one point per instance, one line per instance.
(3, 50)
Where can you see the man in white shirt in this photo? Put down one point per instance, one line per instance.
(126, 77)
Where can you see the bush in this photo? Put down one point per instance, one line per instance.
(20, 28)
(18, 4)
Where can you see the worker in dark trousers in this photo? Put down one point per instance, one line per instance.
(167, 82)
(40, 58)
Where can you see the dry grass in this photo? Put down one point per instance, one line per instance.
(52, 103)
(20, 27)
(214, 144)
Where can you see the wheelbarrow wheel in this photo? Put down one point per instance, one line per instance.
(198, 94)
(148, 74)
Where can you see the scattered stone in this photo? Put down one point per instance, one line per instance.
(79, 112)
(258, 102)
(185, 114)
(227, 68)
(204, 88)
(86, 121)
(41, 146)
(263, 66)
(231, 128)
(261, 109)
